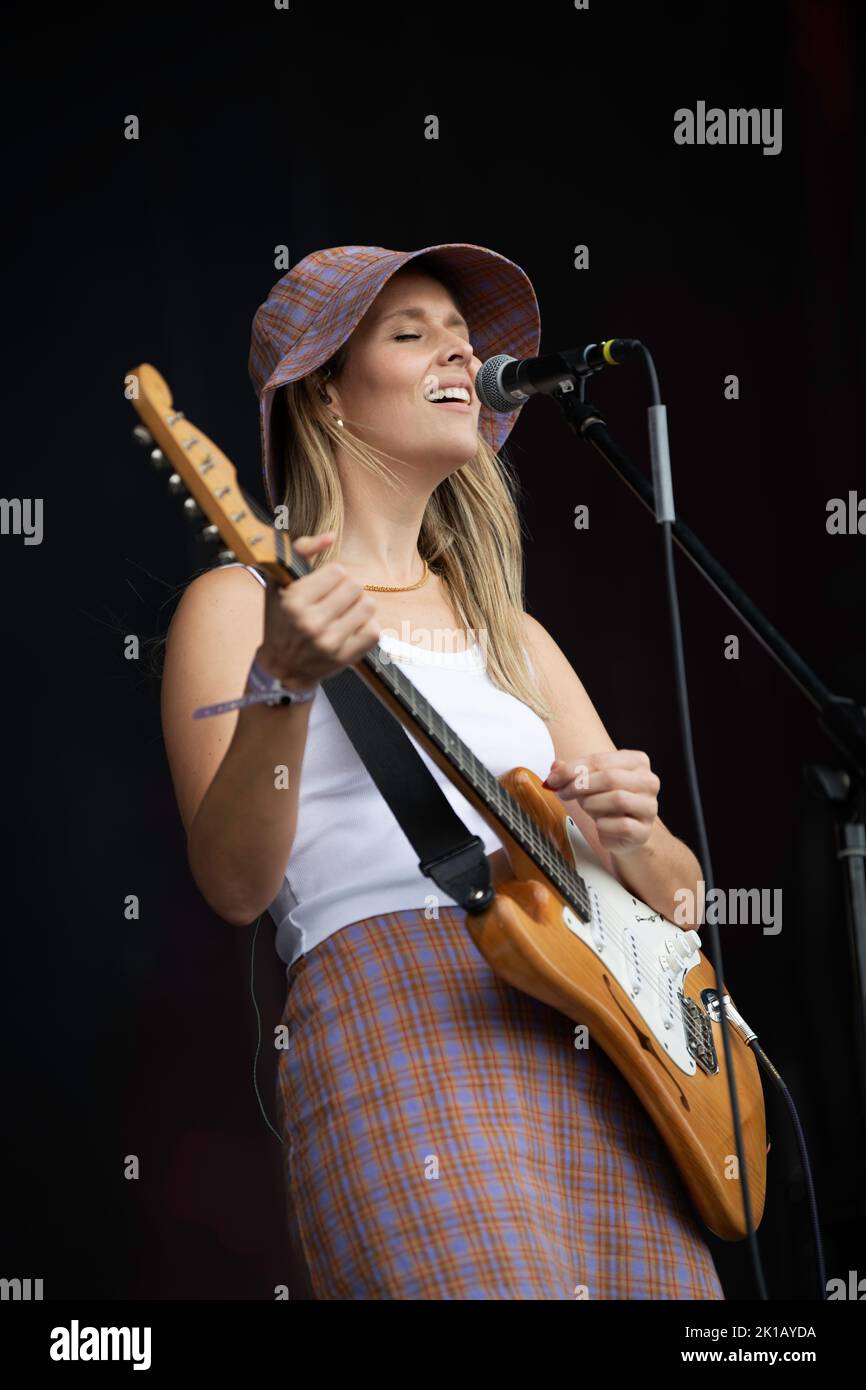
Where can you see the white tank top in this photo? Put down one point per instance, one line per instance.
(350, 859)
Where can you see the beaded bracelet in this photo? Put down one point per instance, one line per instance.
(261, 689)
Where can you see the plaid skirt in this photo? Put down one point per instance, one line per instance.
(445, 1139)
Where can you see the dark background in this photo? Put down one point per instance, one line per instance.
(306, 127)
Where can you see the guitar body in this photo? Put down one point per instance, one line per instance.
(610, 975)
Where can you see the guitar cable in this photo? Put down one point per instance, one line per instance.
(774, 1075)
(259, 1033)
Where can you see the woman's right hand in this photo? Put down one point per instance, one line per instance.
(317, 625)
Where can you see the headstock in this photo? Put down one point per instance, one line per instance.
(200, 470)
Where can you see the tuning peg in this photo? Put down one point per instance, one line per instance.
(191, 509)
(209, 534)
(176, 485)
(142, 435)
(158, 458)
(225, 557)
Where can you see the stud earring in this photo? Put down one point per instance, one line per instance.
(327, 399)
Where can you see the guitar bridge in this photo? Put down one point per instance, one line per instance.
(699, 1036)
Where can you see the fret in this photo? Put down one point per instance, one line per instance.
(512, 816)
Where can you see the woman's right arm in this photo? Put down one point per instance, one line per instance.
(236, 775)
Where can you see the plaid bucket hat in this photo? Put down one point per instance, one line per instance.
(313, 309)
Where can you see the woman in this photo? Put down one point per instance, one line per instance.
(444, 1139)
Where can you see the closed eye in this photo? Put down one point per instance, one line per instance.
(400, 336)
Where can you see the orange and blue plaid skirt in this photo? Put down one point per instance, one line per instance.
(445, 1138)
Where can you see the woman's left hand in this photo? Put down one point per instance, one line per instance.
(617, 789)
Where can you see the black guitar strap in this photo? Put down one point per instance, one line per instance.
(455, 860)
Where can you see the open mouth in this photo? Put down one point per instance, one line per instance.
(452, 405)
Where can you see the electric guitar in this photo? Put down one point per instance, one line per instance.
(560, 928)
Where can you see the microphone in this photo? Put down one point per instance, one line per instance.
(503, 383)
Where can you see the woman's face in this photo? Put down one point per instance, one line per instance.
(411, 341)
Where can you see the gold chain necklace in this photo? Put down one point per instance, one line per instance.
(399, 588)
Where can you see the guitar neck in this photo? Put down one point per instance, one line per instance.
(420, 717)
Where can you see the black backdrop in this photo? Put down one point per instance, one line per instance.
(306, 127)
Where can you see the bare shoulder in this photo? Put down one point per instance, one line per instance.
(224, 587)
(223, 597)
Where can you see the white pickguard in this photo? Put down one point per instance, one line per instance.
(647, 955)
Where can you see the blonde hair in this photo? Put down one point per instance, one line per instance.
(470, 533)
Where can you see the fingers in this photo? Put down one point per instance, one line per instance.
(325, 595)
(614, 757)
(618, 803)
(311, 545)
(306, 546)
(595, 772)
(617, 788)
(611, 779)
(359, 642)
(320, 582)
(610, 784)
(321, 622)
(344, 636)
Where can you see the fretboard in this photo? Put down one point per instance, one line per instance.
(508, 812)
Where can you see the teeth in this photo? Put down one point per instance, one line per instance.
(451, 393)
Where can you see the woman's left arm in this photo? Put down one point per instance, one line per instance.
(611, 793)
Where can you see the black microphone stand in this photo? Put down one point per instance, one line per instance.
(841, 718)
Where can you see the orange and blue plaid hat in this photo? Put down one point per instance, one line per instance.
(313, 309)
